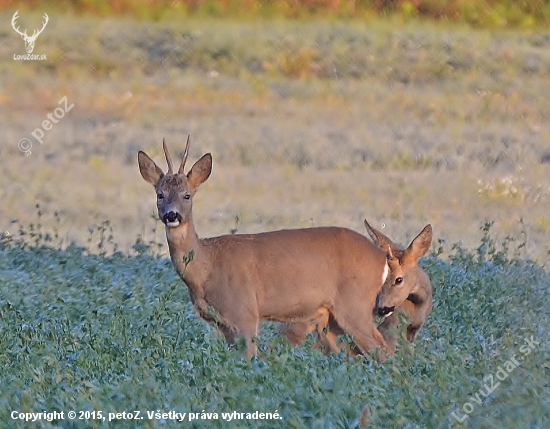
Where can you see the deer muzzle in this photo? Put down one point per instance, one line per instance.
(385, 311)
(172, 219)
(380, 309)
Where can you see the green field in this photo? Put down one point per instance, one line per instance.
(310, 122)
(90, 332)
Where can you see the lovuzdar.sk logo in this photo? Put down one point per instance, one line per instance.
(29, 40)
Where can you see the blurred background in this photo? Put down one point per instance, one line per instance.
(316, 112)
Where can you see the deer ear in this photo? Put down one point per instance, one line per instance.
(420, 245)
(148, 169)
(200, 171)
(380, 239)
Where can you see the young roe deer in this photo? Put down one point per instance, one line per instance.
(407, 288)
(417, 307)
(237, 280)
(406, 277)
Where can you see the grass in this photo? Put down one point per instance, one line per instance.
(83, 328)
(337, 121)
(310, 123)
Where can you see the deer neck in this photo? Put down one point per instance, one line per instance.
(182, 243)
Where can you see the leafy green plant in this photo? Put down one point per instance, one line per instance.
(82, 329)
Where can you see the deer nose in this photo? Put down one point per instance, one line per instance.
(385, 311)
(171, 217)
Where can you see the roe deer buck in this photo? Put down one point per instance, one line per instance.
(407, 288)
(288, 275)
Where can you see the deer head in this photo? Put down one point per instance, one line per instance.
(403, 278)
(175, 191)
(29, 40)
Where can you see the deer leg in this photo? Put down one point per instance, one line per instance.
(417, 314)
(360, 325)
(246, 323)
(296, 332)
(387, 329)
(327, 335)
(329, 341)
(251, 347)
(229, 333)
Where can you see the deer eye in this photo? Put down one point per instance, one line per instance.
(187, 196)
(160, 196)
(398, 280)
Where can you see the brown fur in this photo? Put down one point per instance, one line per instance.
(405, 277)
(288, 275)
(417, 305)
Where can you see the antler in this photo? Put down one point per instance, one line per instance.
(168, 159)
(35, 34)
(185, 155)
(25, 35)
(17, 28)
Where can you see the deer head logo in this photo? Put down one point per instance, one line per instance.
(29, 40)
